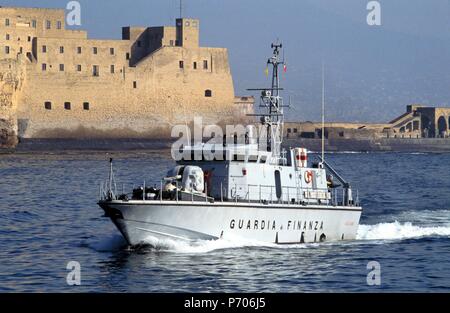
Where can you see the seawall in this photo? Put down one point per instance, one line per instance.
(377, 145)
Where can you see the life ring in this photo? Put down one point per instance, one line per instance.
(308, 176)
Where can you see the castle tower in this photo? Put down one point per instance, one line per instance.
(187, 32)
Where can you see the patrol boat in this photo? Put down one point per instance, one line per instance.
(251, 188)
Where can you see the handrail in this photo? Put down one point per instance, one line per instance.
(262, 194)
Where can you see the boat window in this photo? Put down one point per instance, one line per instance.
(263, 159)
(278, 184)
(253, 158)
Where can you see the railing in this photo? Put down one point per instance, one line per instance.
(246, 193)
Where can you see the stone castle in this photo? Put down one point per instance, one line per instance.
(418, 122)
(58, 83)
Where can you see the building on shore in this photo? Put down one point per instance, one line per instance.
(417, 122)
(58, 83)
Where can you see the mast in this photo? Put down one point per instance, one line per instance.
(323, 112)
(273, 120)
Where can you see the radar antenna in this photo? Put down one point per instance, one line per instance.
(271, 99)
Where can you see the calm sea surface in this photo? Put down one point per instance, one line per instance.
(49, 217)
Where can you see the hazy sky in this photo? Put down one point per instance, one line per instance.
(372, 72)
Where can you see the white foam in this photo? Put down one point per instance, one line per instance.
(398, 231)
(203, 246)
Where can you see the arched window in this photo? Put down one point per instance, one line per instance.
(442, 126)
(208, 93)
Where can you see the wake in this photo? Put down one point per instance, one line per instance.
(439, 226)
(399, 231)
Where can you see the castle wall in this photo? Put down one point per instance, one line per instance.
(12, 79)
(139, 86)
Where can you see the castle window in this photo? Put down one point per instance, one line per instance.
(195, 65)
(44, 66)
(29, 38)
(79, 50)
(205, 64)
(67, 106)
(111, 51)
(61, 67)
(7, 22)
(7, 50)
(95, 50)
(208, 93)
(134, 85)
(58, 25)
(171, 42)
(33, 23)
(95, 71)
(181, 64)
(44, 49)
(48, 24)
(61, 49)
(86, 106)
(48, 105)
(127, 56)
(112, 69)
(79, 67)
(7, 37)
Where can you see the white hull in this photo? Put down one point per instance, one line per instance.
(270, 223)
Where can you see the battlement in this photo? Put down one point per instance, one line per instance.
(151, 78)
